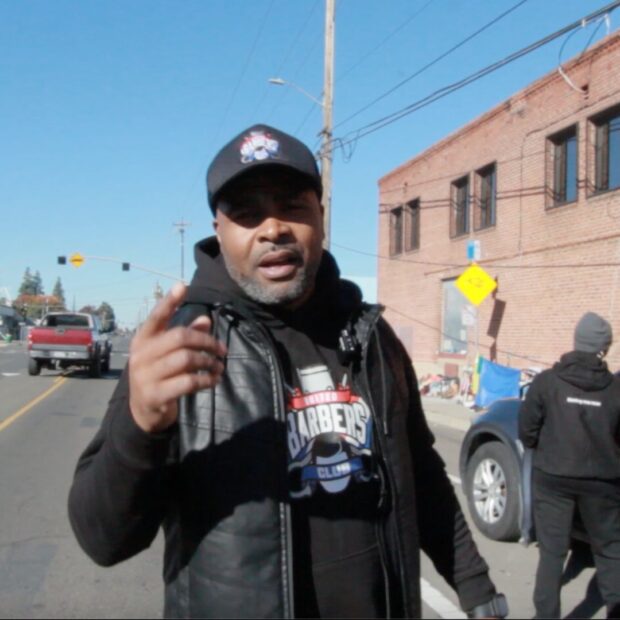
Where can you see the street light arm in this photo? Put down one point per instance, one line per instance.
(281, 82)
(134, 266)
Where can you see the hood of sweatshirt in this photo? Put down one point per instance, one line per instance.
(583, 370)
(332, 303)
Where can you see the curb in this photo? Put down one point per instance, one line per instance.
(448, 412)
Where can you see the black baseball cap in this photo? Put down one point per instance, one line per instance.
(260, 145)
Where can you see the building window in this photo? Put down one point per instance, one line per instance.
(607, 151)
(412, 228)
(487, 195)
(396, 231)
(459, 207)
(563, 151)
(454, 332)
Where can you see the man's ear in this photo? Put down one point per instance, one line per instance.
(215, 227)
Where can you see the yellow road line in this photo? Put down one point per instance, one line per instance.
(57, 383)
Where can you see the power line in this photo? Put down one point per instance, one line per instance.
(465, 265)
(249, 58)
(288, 53)
(430, 64)
(348, 71)
(446, 90)
(442, 333)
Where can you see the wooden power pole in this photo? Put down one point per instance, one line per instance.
(328, 98)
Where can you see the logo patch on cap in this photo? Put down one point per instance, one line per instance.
(258, 146)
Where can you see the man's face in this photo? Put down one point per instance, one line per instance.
(270, 230)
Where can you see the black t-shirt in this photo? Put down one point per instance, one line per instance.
(333, 482)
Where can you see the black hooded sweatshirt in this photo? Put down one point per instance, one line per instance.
(336, 558)
(571, 417)
(116, 504)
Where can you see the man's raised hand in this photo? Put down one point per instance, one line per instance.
(165, 364)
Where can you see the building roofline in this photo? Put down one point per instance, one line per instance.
(611, 40)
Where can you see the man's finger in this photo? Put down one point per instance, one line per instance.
(158, 320)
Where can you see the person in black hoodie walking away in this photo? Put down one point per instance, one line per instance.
(275, 429)
(571, 418)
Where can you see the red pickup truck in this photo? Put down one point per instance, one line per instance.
(64, 339)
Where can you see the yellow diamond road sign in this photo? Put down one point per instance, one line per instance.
(77, 260)
(475, 283)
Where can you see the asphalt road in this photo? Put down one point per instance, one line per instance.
(46, 422)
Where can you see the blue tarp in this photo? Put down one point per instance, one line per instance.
(496, 381)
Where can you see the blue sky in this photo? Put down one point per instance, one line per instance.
(110, 112)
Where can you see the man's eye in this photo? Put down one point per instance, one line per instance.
(244, 212)
(296, 205)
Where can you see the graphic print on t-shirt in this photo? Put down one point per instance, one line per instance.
(329, 435)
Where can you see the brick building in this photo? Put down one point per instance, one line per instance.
(536, 181)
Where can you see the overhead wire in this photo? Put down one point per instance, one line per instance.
(294, 42)
(248, 59)
(431, 63)
(467, 341)
(399, 259)
(446, 90)
(392, 34)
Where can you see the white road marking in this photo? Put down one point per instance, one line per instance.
(438, 602)
(10, 374)
(455, 479)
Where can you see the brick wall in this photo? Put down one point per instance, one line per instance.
(529, 241)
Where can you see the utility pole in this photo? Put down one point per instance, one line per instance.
(181, 226)
(328, 99)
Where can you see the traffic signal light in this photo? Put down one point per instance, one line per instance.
(62, 260)
(125, 266)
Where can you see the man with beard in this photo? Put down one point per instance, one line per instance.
(571, 419)
(270, 421)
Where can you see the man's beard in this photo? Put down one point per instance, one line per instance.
(281, 293)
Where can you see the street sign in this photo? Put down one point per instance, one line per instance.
(475, 283)
(77, 260)
(473, 250)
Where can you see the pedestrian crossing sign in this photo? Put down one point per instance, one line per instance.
(475, 283)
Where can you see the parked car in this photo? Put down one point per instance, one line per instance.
(496, 472)
(64, 339)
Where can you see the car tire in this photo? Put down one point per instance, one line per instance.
(34, 367)
(493, 491)
(95, 366)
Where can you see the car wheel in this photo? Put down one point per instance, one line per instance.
(493, 491)
(34, 367)
(95, 366)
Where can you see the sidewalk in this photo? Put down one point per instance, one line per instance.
(448, 412)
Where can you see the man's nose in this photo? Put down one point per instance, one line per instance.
(273, 228)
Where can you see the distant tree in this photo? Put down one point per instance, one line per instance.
(106, 312)
(38, 284)
(36, 306)
(28, 285)
(59, 293)
(88, 309)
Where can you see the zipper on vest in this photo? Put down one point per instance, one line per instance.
(286, 521)
(389, 475)
(380, 520)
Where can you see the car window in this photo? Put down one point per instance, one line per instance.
(66, 320)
